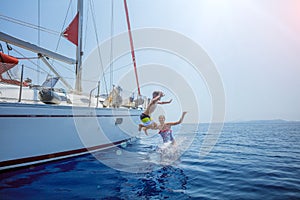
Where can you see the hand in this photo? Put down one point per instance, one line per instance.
(182, 116)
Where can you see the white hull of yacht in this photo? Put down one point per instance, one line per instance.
(35, 133)
(32, 132)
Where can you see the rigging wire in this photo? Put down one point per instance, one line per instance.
(65, 66)
(86, 26)
(33, 69)
(41, 70)
(62, 28)
(39, 37)
(97, 40)
(53, 32)
(29, 25)
(59, 38)
(119, 68)
(111, 44)
(18, 52)
(39, 28)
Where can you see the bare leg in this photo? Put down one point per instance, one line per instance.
(145, 129)
(140, 127)
(173, 142)
(154, 126)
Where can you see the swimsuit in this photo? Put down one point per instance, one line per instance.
(166, 135)
(146, 119)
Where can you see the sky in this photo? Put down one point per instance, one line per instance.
(253, 44)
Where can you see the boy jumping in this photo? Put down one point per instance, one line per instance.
(147, 122)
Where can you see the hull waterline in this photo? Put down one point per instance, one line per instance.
(36, 133)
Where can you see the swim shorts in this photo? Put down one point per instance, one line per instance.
(146, 119)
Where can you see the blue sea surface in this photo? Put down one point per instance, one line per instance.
(253, 160)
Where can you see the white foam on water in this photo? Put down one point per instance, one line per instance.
(168, 153)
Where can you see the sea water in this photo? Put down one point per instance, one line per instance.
(253, 160)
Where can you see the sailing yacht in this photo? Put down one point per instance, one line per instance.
(41, 123)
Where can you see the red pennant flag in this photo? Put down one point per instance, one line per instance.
(71, 32)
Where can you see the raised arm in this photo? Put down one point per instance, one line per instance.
(164, 102)
(178, 122)
(157, 98)
(152, 102)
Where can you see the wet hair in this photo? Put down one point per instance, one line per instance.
(155, 94)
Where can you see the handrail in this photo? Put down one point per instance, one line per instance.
(98, 93)
(91, 95)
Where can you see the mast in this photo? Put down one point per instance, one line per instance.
(79, 53)
(132, 48)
